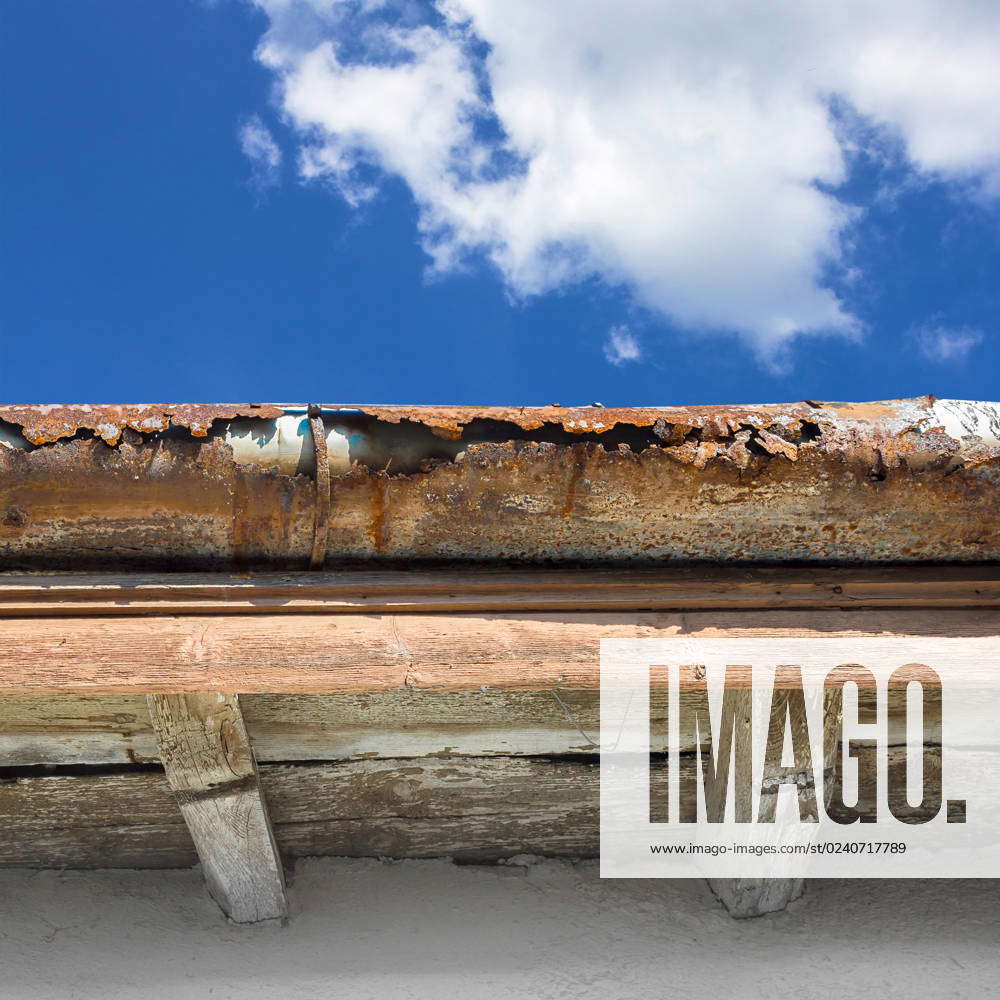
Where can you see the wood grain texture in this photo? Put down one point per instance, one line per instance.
(76, 729)
(162, 845)
(472, 809)
(483, 589)
(210, 767)
(115, 729)
(128, 819)
(370, 653)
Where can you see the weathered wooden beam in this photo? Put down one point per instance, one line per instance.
(369, 653)
(476, 809)
(210, 767)
(115, 728)
(76, 729)
(484, 589)
(397, 637)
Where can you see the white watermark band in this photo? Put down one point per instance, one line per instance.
(767, 757)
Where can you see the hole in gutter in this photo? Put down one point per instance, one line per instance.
(410, 446)
(12, 438)
(809, 431)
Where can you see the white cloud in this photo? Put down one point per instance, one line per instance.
(943, 343)
(621, 346)
(678, 149)
(261, 150)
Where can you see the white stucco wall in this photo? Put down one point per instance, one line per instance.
(396, 931)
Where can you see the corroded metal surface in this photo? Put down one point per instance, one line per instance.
(450, 421)
(902, 481)
(45, 424)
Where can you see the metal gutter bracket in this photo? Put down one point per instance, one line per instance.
(321, 509)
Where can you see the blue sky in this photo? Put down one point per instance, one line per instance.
(147, 257)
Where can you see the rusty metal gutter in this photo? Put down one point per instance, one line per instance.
(201, 486)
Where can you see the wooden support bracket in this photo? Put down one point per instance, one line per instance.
(211, 769)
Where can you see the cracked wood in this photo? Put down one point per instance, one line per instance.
(210, 767)
(115, 729)
(474, 809)
(371, 653)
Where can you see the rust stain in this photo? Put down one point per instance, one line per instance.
(449, 422)
(45, 424)
(776, 426)
(241, 521)
(575, 475)
(868, 482)
(376, 524)
(716, 421)
(775, 445)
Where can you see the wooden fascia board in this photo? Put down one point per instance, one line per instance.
(323, 653)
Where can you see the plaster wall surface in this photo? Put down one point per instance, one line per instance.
(431, 929)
